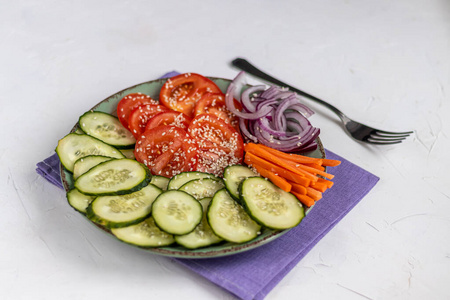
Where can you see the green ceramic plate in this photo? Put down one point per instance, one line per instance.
(152, 89)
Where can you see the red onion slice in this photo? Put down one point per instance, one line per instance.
(274, 117)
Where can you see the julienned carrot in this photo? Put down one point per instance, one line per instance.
(304, 199)
(293, 157)
(298, 188)
(330, 162)
(311, 170)
(303, 174)
(277, 180)
(313, 193)
(251, 159)
(315, 166)
(320, 186)
(298, 157)
(258, 151)
(329, 183)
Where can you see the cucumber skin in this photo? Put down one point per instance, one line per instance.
(76, 209)
(109, 224)
(122, 147)
(170, 185)
(219, 235)
(238, 198)
(136, 188)
(156, 223)
(96, 219)
(257, 220)
(68, 169)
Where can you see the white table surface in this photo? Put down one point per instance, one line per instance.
(386, 63)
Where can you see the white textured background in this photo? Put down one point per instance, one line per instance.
(386, 63)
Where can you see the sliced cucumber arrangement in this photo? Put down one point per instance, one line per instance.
(269, 205)
(177, 212)
(144, 234)
(229, 220)
(75, 146)
(192, 209)
(202, 188)
(178, 180)
(233, 176)
(202, 236)
(123, 210)
(86, 163)
(113, 177)
(106, 128)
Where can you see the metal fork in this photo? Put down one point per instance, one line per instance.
(355, 129)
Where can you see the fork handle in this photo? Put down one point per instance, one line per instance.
(244, 65)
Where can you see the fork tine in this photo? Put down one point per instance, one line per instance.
(383, 142)
(387, 138)
(390, 133)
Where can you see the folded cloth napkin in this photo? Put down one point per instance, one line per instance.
(254, 273)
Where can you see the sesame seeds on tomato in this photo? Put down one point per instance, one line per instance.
(219, 144)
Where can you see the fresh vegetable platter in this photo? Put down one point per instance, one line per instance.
(176, 205)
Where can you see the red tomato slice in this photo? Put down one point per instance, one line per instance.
(171, 117)
(214, 103)
(182, 92)
(166, 151)
(141, 115)
(219, 144)
(129, 103)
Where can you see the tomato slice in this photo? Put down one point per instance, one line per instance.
(129, 103)
(214, 103)
(166, 151)
(141, 115)
(182, 92)
(219, 144)
(171, 117)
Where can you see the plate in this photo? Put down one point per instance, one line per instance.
(152, 89)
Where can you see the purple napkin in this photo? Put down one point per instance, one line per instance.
(253, 274)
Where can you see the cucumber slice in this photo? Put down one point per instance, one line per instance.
(75, 146)
(123, 210)
(144, 234)
(202, 188)
(233, 176)
(106, 128)
(113, 177)
(128, 153)
(229, 220)
(178, 180)
(177, 212)
(269, 205)
(202, 236)
(86, 163)
(78, 200)
(160, 181)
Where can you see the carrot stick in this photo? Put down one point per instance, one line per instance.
(293, 157)
(311, 170)
(304, 199)
(291, 166)
(315, 194)
(297, 188)
(315, 166)
(320, 186)
(330, 162)
(298, 157)
(251, 159)
(277, 180)
(329, 183)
